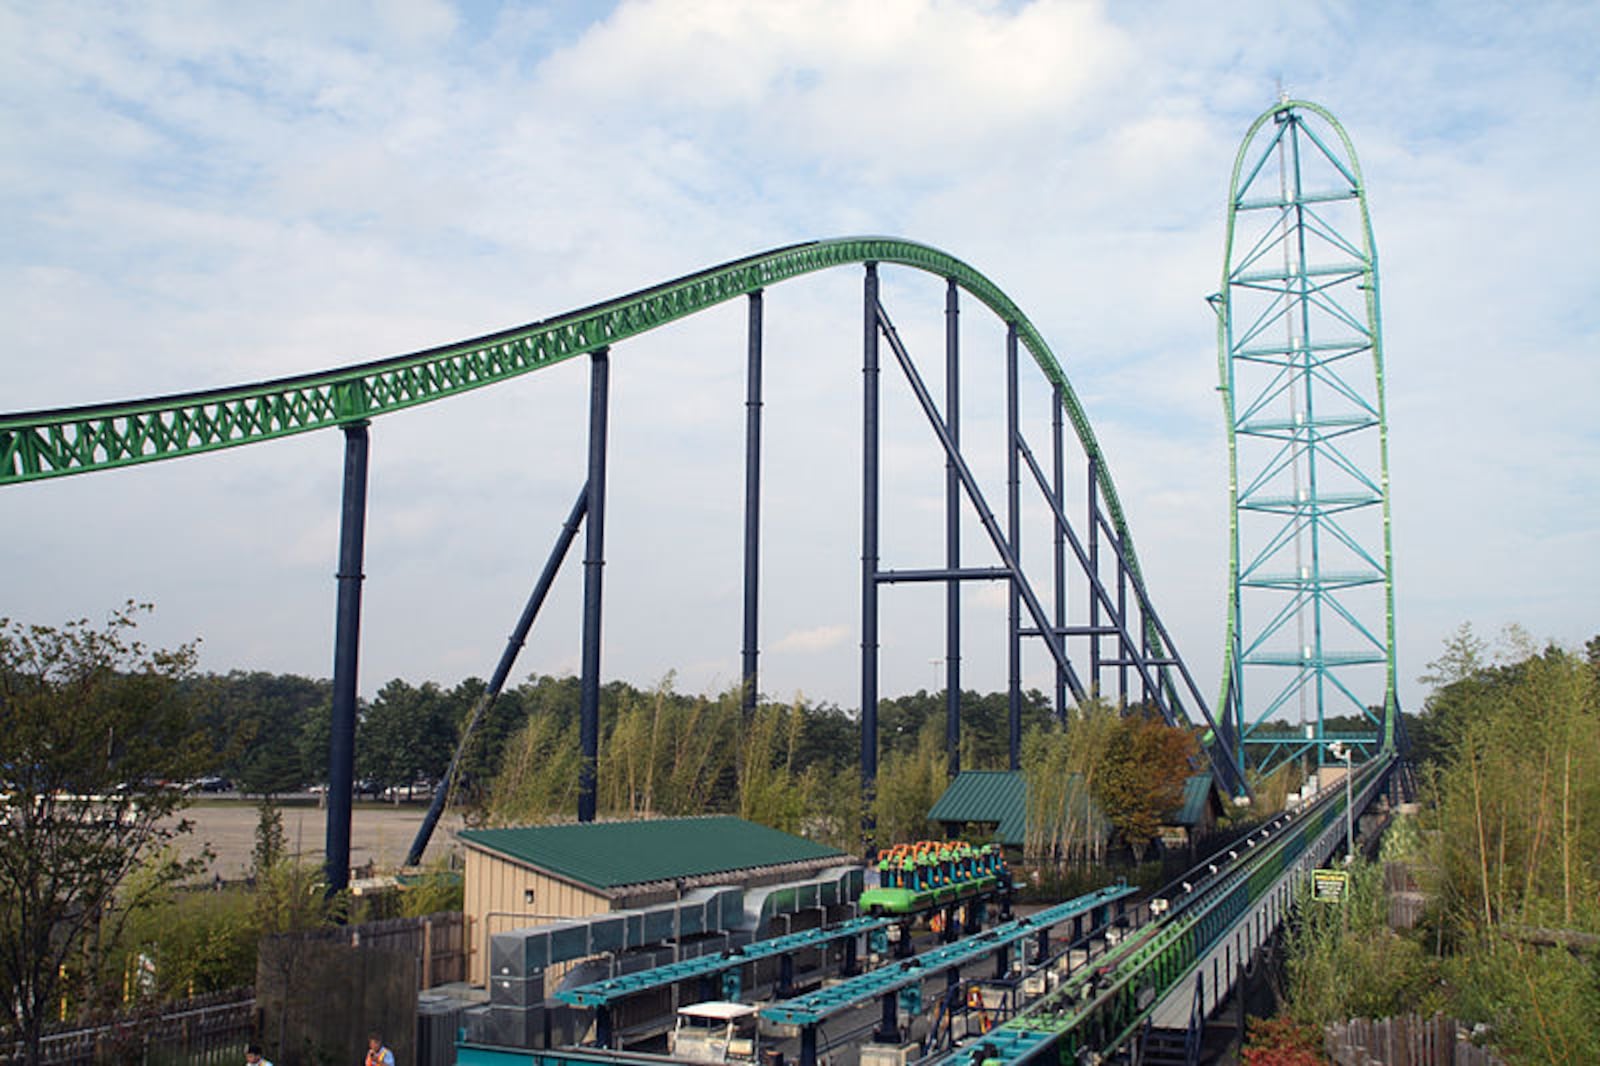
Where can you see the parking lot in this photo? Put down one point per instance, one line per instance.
(380, 833)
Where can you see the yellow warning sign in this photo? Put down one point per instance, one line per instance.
(1329, 886)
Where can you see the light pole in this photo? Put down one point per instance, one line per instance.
(1340, 750)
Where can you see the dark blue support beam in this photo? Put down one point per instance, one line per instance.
(1150, 695)
(594, 561)
(888, 1031)
(974, 573)
(1099, 591)
(752, 503)
(991, 526)
(1122, 613)
(1059, 556)
(785, 977)
(904, 947)
(869, 554)
(1014, 540)
(952, 529)
(1094, 573)
(502, 670)
(346, 648)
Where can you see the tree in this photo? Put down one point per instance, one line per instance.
(1145, 768)
(909, 783)
(271, 847)
(1062, 766)
(95, 726)
(407, 733)
(255, 720)
(769, 790)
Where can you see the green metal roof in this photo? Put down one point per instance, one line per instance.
(607, 855)
(1001, 797)
(1196, 794)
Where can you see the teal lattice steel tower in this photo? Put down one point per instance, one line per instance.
(1310, 626)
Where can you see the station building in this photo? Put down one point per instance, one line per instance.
(535, 875)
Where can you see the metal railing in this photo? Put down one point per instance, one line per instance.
(208, 1031)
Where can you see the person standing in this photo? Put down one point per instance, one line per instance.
(377, 1054)
(253, 1056)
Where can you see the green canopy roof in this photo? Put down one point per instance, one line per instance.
(985, 796)
(1197, 792)
(607, 855)
(1000, 797)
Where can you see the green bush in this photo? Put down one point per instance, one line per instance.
(1343, 961)
(1540, 1004)
(200, 942)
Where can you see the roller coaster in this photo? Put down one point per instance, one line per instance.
(927, 875)
(1283, 324)
(1122, 638)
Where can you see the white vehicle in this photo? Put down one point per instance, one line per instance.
(715, 1031)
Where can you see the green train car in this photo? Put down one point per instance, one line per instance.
(933, 873)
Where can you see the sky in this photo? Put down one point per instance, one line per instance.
(201, 195)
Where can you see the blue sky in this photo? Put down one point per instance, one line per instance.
(199, 195)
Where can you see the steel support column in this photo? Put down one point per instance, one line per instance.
(991, 525)
(346, 648)
(1122, 613)
(752, 503)
(888, 1031)
(594, 561)
(1014, 539)
(502, 670)
(952, 529)
(1094, 570)
(1058, 457)
(869, 551)
(808, 1045)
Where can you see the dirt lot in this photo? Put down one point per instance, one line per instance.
(380, 834)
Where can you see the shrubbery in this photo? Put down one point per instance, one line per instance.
(1508, 845)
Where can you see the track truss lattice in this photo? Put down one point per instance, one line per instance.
(1310, 619)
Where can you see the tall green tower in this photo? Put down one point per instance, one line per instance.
(1310, 626)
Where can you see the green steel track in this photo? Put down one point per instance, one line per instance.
(1105, 1004)
(36, 445)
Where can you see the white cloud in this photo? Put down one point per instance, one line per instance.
(817, 638)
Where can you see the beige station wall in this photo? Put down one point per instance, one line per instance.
(497, 899)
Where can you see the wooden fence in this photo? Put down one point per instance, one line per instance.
(1407, 901)
(438, 942)
(1404, 1041)
(321, 990)
(208, 1031)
